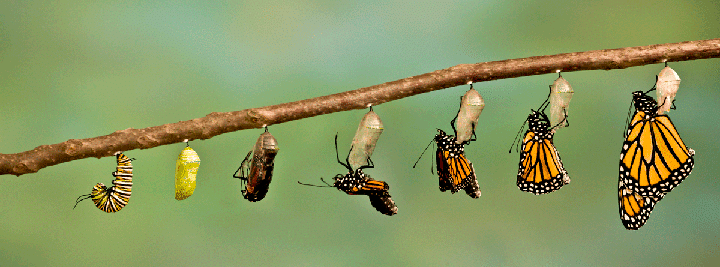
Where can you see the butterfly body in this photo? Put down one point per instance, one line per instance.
(359, 183)
(541, 170)
(453, 168)
(653, 159)
(356, 182)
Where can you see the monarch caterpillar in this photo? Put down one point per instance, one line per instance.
(257, 172)
(186, 169)
(366, 136)
(560, 95)
(116, 197)
(653, 158)
(667, 84)
(471, 105)
(356, 182)
(540, 170)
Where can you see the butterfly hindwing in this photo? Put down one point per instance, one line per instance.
(634, 208)
(540, 170)
(454, 170)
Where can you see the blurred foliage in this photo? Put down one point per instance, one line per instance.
(80, 69)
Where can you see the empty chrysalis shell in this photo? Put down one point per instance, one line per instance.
(667, 85)
(261, 167)
(366, 136)
(185, 172)
(471, 106)
(560, 95)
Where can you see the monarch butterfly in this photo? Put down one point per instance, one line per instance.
(116, 197)
(366, 136)
(453, 168)
(653, 159)
(471, 106)
(257, 172)
(540, 170)
(634, 208)
(560, 95)
(356, 182)
(186, 169)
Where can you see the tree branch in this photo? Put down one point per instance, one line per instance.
(217, 123)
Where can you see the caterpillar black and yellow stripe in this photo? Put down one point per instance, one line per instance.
(117, 196)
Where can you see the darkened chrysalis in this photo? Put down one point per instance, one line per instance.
(257, 171)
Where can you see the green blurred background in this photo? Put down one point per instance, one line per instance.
(81, 69)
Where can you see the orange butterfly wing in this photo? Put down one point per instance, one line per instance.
(654, 159)
(541, 170)
(634, 208)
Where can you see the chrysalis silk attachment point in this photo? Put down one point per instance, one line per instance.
(667, 85)
(261, 168)
(471, 106)
(560, 95)
(366, 136)
(185, 172)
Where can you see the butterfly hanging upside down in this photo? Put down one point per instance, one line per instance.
(653, 160)
(356, 182)
(453, 168)
(256, 172)
(540, 170)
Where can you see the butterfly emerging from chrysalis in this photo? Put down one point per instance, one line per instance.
(653, 160)
(356, 182)
(540, 170)
(256, 172)
(116, 197)
(454, 170)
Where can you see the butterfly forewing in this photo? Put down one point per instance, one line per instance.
(653, 159)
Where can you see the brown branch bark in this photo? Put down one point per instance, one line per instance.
(223, 122)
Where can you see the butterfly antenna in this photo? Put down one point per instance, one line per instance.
(432, 163)
(627, 119)
(321, 179)
(423, 153)
(517, 137)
